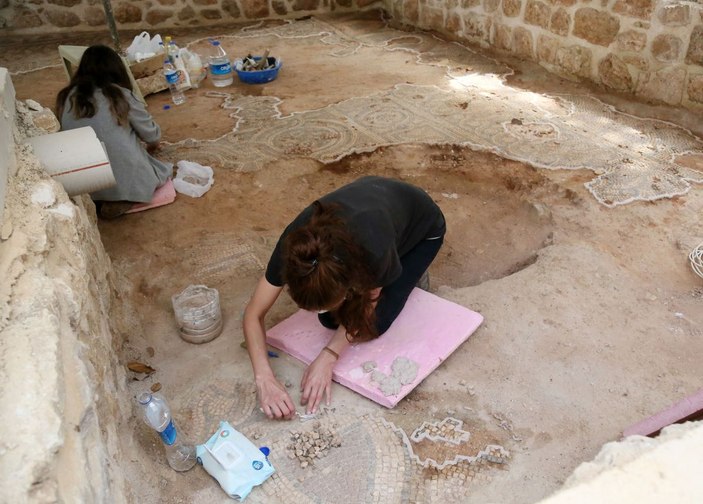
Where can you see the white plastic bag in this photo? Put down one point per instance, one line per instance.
(193, 179)
(143, 47)
(194, 66)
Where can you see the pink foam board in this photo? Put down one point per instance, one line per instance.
(677, 412)
(427, 331)
(164, 195)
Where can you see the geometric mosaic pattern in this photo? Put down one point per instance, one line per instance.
(448, 433)
(633, 158)
(376, 462)
(448, 430)
(218, 257)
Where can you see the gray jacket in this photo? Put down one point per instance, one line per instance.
(137, 173)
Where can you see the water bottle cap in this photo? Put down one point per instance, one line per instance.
(144, 398)
(215, 42)
(167, 60)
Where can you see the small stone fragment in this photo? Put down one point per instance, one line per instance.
(368, 366)
(404, 369)
(33, 105)
(378, 377)
(6, 230)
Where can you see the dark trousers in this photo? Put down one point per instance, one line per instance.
(394, 296)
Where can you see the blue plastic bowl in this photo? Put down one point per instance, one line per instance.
(258, 76)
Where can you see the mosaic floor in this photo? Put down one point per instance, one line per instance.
(632, 158)
(377, 461)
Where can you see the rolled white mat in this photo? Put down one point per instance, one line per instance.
(76, 159)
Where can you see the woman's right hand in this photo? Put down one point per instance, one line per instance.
(275, 401)
(273, 398)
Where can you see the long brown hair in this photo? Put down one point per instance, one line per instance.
(101, 68)
(323, 265)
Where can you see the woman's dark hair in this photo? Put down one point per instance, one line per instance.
(323, 265)
(102, 68)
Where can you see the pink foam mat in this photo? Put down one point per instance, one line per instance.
(427, 331)
(686, 407)
(163, 195)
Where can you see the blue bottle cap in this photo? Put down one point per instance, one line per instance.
(167, 107)
(215, 42)
(265, 450)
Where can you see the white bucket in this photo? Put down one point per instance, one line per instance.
(76, 159)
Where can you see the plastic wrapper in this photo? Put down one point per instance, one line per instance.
(193, 179)
(234, 461)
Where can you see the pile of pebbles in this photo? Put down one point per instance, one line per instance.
(306, 446)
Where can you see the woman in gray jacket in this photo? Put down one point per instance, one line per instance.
(99, 96)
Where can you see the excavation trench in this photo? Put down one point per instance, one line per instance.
(496, 226)
(548, 238)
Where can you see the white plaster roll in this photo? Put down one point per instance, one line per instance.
(76, 159)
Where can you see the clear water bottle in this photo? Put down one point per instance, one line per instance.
(172, 79)
(220, 66)
(172, 51)
(157, 415)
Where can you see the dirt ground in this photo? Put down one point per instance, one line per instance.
(593, 317)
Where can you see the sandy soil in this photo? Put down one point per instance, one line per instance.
(593, 317)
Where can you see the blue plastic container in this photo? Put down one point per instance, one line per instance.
(258, 76)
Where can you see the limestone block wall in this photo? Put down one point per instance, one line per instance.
(45, 16)
(7, 121)
(652, 48)
(640, 470)
(62, 391)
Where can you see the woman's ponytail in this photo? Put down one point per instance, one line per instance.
(323, 266)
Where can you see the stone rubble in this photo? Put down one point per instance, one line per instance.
(307, 446)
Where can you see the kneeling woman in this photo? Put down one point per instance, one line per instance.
(99, 95)
(354, 256)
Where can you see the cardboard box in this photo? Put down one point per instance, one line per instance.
(147, 67)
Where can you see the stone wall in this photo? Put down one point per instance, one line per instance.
(641, 470)
(62, 390)
(45, 16)
(652, 48)
(7, 121)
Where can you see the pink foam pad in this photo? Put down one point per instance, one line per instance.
(164, 195)
(677, 412)
(427, 331)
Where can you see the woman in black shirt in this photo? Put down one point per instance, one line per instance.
(354, 256)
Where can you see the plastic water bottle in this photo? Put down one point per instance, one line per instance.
(172, 50)
(172, 78)
(220, 66)
(157, 415)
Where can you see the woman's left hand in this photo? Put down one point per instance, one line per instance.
(317, 381)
